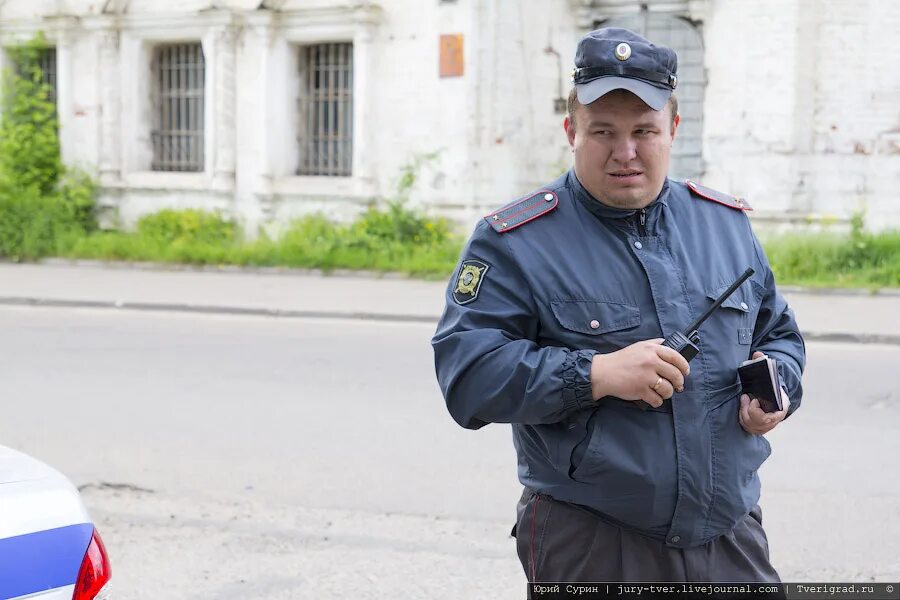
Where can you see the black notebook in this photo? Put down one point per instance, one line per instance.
(759, 379)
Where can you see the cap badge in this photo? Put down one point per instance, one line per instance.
(623, 51)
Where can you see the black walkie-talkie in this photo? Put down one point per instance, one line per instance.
(685, 342)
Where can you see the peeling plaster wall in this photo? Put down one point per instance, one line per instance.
(525, 57)
(803, 107)
(801, 110)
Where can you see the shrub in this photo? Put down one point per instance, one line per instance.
(187, 226)
(399, 224)
(29, 143)
(32, 225)
(43, 207)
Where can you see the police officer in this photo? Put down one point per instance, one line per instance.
(636, 465)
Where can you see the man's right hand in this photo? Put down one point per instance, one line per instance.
(632, 373)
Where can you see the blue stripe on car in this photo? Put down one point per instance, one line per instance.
(36, 562)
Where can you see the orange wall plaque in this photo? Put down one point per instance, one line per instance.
(452, 55)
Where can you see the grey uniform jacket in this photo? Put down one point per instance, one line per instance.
(528, 308)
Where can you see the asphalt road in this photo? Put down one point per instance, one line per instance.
(249, 457)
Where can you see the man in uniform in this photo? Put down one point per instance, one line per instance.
(637, 465)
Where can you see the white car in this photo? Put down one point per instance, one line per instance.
(49, 549)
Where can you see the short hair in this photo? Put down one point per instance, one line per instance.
(573, 104)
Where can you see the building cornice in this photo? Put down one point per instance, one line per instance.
(588, 12)
(170, 21)
(357, 14)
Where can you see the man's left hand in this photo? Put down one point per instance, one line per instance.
(754, 419)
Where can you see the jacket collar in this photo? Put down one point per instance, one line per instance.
(604, 211)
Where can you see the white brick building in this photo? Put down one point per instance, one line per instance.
(268, 109)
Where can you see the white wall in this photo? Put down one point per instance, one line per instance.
(801, 109)
(520, 141)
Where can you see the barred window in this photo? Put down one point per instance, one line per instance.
(326, 110)
(47, 62)
(178, 94)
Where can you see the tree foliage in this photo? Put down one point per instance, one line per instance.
(43, 205)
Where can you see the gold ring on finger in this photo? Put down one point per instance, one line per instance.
(657, 384)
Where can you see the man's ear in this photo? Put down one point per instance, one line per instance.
(675, 123)
(569, 126)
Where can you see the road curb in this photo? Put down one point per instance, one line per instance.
(363, 274)
(227, 269)
(213, 310)
(854, 338)
(797, 289)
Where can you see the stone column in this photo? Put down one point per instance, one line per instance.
(363, 142)
(110, 111)
(225, 40)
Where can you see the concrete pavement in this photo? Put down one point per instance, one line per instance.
(832, 315)
(316, 456)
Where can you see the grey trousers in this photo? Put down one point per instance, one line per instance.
(557, 541)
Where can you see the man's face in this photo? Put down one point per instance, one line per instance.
(622, 148)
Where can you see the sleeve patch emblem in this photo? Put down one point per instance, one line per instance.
(471, 276)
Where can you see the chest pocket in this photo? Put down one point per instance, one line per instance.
(740, 309)
(592, 317)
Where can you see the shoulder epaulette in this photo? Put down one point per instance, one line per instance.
(716, 196)
(522, 211)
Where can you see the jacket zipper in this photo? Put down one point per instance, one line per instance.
(642, 220)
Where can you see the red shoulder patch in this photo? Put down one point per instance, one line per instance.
(522, 211)
(717, 196)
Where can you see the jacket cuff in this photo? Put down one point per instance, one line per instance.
(576, 377)
(783, 383)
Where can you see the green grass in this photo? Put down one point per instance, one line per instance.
(860, 260)
(394, 239)
(813, 260)
(403, 243)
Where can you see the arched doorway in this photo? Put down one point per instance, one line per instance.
(683, 37)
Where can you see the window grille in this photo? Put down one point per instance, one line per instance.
(326, 110)
(178, 132)
(47, 62)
